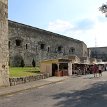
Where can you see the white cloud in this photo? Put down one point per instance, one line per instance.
(59, 26)
(100, 32)
(94, 36)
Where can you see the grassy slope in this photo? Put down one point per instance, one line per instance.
(25, 71)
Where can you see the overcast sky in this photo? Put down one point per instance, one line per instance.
(79, 19)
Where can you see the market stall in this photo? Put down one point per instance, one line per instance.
(57, 67)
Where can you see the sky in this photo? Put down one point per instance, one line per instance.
(78, 19)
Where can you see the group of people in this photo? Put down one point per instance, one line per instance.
(97, 69)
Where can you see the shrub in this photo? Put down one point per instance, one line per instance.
(22, 63)
(33, 63)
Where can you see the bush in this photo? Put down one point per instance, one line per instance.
(33, 63)
(22, 63)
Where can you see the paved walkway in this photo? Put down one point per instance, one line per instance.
(35, 84)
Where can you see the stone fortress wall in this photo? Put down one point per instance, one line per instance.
(28, 43)
(4, 52)
(22, 42)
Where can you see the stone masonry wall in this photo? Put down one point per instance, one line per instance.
(30, 43)
(4, 52)
(21, 80)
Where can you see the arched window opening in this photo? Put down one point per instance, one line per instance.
(72, 50)
(9, 44)
(18, 42)
(59, 48)
(42, 46)
(26, 46)
(48, 49)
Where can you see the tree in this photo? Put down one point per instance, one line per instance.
(22, 63)
(103, 9)
(33, 63)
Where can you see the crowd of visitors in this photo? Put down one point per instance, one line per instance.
(95, 69)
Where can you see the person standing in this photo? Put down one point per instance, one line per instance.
(95, 70)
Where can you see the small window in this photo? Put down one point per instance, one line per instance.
(42, 46)
(48, 49)
(59, 48)
(72, 50)
(18, 42)
(9, 44)
(26, 46)
(55, 51)
(36, 47)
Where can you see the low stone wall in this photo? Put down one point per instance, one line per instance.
(21, 80)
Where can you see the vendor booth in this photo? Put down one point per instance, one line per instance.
(79, 65)
(75, 64)
(57, 67)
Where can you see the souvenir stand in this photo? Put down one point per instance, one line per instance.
(57, 67)
(75, 64)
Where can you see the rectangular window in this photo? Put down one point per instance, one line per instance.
(18, 42)
(26, 46)
(42, 46)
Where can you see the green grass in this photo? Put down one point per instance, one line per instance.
(22, 72)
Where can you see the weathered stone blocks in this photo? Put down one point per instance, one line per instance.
(39, 44)
(21, 80)
(4, 52)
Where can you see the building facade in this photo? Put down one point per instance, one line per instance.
(4, 52)
(98, 53)
(29, 43)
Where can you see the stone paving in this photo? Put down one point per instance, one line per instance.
(34, 84)
(51, 80)
(72, 91)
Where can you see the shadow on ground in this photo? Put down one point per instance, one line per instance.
(95, 96)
